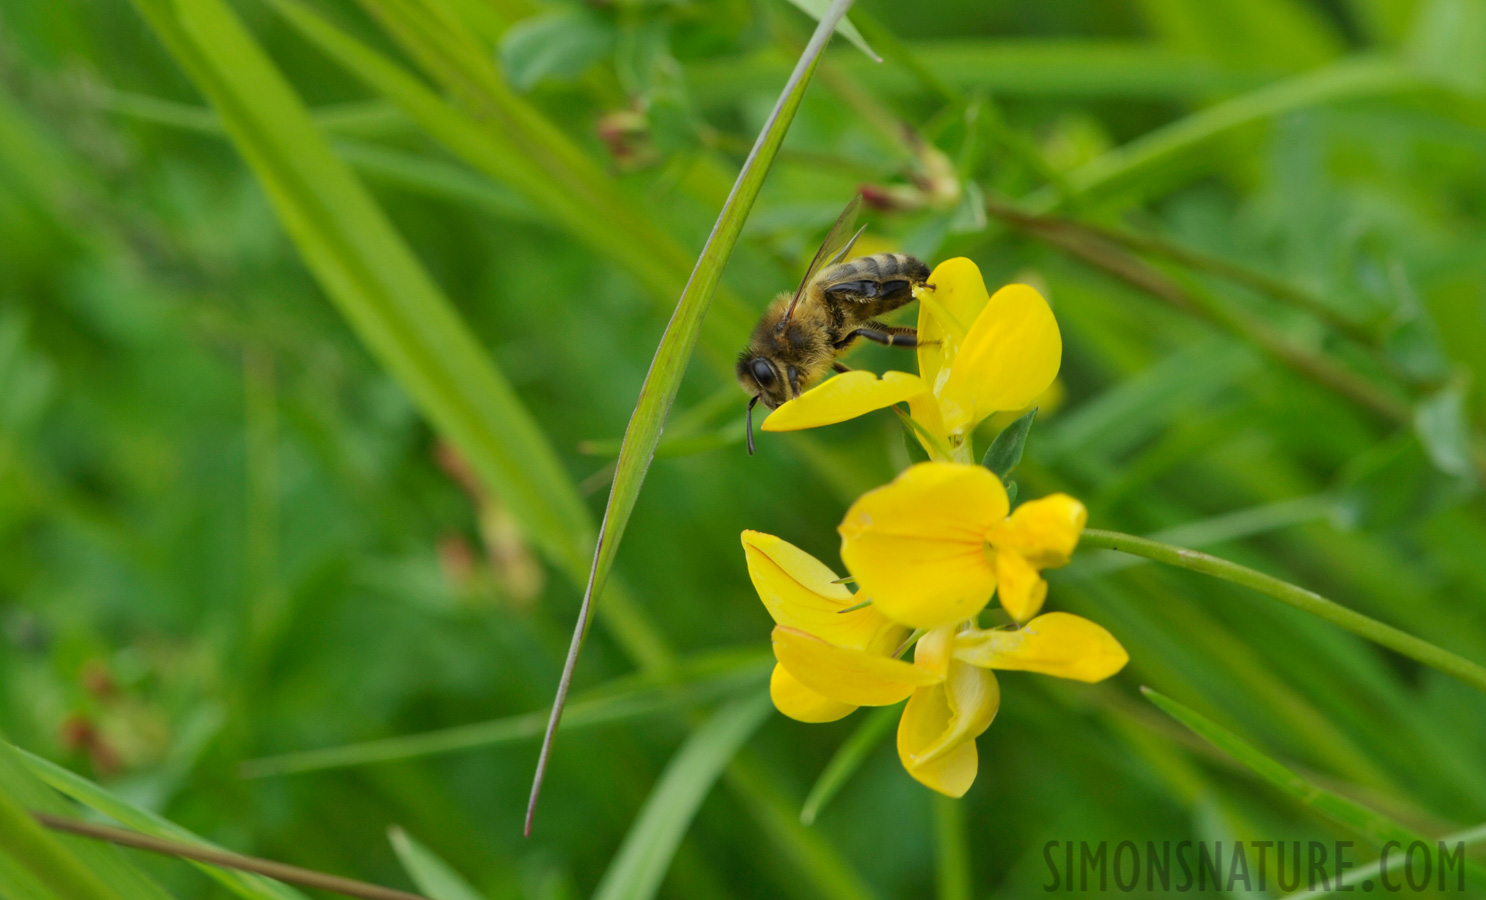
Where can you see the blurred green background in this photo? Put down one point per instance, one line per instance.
(229, 532)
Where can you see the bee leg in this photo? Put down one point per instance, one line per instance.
(887, 335)
(841, 367)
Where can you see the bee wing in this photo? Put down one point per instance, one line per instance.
(844, 251)
(832, 250)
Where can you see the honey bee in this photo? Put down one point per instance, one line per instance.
(801, 335)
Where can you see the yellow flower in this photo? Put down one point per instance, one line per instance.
(830, 661)
(936, 736)
(931, 547)
(978, 354)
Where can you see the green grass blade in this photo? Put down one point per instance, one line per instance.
(245, 885)
(369, 272)
(432, 875)
(1162, 154)
(262, 139)
(637, 869)
(848, 758)
(658, 391)
(1348, 881)
(33, 859)
(804, 849)
(1378, 828)
(519, 149)
(632, 698)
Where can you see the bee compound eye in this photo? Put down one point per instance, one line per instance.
(763, 373)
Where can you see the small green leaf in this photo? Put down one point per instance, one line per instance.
(1394, 483)
(1440, 421)
(432, 875)
(561, 44)
(1005, 451)
(848, 759)
(1010, 493)
(637, 869)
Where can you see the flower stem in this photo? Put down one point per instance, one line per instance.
(1443, 660)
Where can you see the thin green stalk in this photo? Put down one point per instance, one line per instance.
(951, 850)
(1422, 651)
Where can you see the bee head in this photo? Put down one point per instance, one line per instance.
(760, 377)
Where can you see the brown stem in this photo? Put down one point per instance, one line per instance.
(268, 868)
(1096, 251)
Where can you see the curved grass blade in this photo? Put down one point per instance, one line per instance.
(369, 272)
(1347, 881)
(35, 863)
(848, 758)
(29, 855)
(1377, 827)
(1161, 154)
(637, 869)
(664, 378)
(244, 884)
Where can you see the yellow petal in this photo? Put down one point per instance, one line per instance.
(802, 704)
(916, 546)
(1018, 586)
(1046, 403)
(945, 314)
(1010, 355)
(935, 650)
(936, 736)
(850, 676)
(1059, 644)
(951, 774)
(797, 590)
(846, 396)
(1045, 530)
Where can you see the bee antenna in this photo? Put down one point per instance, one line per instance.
(749, 417)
